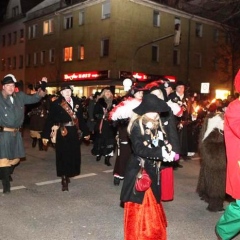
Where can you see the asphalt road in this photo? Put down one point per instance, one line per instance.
(37, 209)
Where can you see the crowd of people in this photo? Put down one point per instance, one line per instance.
(149, 131)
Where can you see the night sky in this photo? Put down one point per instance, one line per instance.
(3, 5)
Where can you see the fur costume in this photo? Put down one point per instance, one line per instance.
(212, 178)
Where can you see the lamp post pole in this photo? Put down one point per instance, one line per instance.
(156, 40)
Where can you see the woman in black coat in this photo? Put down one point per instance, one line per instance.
(68, 139)
(105, 132)
(144, 217)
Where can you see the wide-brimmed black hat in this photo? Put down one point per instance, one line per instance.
(63, 87)
(9, 78)
(151, 103)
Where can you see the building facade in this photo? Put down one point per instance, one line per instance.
(95, 43)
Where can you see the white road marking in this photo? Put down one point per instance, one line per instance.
(56, 180)
(15, 188)
(59, 180)
(108, 171)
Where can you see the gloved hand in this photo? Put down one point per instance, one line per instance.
(167, 157)
(176, 157)
(45, 141)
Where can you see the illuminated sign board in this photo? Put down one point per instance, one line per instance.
(95, 75)
(143, 77)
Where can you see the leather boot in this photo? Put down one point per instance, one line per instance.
(5, 179)
(107, 161)
(34, 142)
(98, 158)
(116, 181)
(40, 144)
(64, 183)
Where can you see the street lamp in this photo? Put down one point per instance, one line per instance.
(176, 36)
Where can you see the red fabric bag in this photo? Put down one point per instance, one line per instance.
(167, 184)
(143, 181)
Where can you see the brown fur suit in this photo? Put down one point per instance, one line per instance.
(212, 177)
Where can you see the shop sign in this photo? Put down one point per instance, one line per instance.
(205, 87)
(95, 75)
(143, 77)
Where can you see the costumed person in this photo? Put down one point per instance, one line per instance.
(120, 115)
(11, 120)
(179, 97)
(212, 177)
(90, 108)
(144, 217)
(161, 90)
(66, 113)
(105, 132)
(228, 226)
(38, 116)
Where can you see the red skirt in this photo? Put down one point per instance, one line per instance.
(146, 221)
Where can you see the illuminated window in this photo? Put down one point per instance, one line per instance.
(42, 57)
(106, 11)
(199, 30)
(32, 30)
(155, 53)
(52, 55)
(176, 57)
(104, 47)
(222, 94)
(68, 22)
(67, 54)
(81, 17)
(81, 52)
(48, 26)
(156, 18)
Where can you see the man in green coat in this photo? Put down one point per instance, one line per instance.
(11, 119)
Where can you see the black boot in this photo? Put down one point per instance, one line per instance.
(11, 172)
(40, 144)
(107, 161)
(34, 142)
(116, 181)
(65, 182)
(5, 179)
(98, 158)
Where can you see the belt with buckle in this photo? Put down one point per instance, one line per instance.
(68, 124)
(7, 129)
